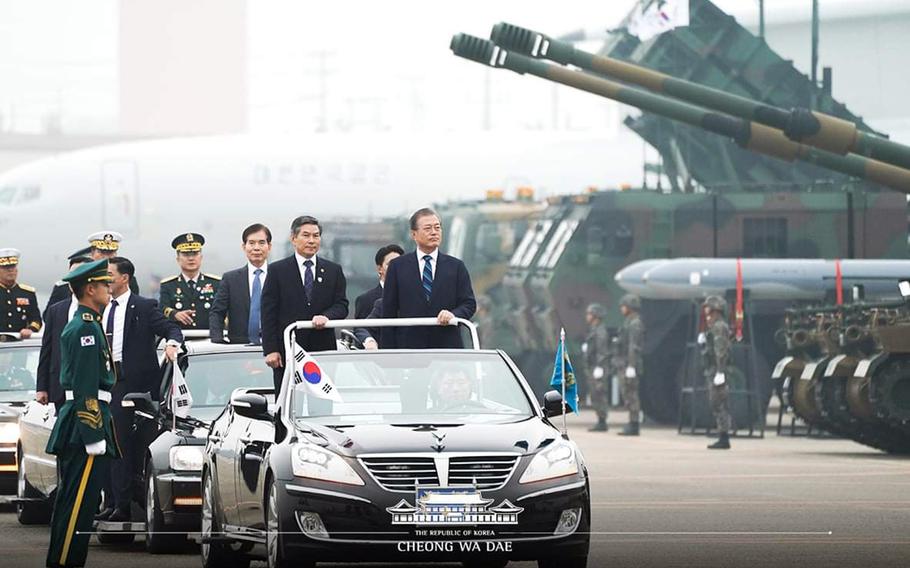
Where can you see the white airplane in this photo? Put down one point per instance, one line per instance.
(151, 191)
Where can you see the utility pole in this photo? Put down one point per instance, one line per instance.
(814, 50)
(761, 19)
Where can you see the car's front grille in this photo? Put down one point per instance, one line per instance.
(485, 472)
(403, 473)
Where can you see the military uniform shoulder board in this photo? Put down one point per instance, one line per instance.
(169, 279)
(26, 287)
(212, 276)
(88, 317)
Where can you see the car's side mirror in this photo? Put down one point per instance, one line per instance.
(251, 405)
(552, 403)
(142, 403)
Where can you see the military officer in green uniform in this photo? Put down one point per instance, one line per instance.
(629, 366)
(187, 297)
(106, 244)
(83, 436)
(716, 346)
(19, 310)
(596, 351)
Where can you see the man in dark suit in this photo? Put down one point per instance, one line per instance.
(61, 289)
(240, 295)
(301, 287)
(56, 316)
(133, 325)
(363, 305)
(426, 283)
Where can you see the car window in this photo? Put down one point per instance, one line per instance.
(467, 387)
(18, 369)
(212, 378)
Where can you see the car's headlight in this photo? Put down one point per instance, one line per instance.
(317, 463)
(557, 461)
(186, 458)
(9, 433)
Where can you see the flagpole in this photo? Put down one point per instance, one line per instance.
(562, 366)
(173, 395)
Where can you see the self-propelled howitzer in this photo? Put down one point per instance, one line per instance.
(802, 125)
(750, 135)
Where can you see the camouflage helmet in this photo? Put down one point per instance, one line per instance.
(597, 310)
(630, 301)
(715, 303)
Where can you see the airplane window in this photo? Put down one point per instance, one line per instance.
(7, 194)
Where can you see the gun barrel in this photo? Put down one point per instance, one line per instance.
(756, 137)
(816, 129)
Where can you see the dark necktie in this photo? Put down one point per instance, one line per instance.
(254, 328)
(427, 275)
(110, 324)
(308, 279)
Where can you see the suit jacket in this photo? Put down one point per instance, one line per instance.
(60, 292)
(48, 379)
(143, 325)
(403, 297)
(232, 301)
(284, 301)
(362, 333)
(363, 305)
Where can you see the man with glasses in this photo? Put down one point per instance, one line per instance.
(426, 283)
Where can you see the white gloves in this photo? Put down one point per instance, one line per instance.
(630, 373)
(584, 347)
(720, 379)
(96, 449)
(598, 372)
(702, 338)
(370, 343)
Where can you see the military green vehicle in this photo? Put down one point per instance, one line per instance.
(752, 192)
(485, 234)
(847, 371)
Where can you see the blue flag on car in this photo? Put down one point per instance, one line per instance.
(564, 366)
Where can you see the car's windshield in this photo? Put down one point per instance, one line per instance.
(390, 387)
(212, 377)
(18, 369)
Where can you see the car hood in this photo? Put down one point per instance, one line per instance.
(522, 435)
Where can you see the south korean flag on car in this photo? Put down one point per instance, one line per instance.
(309, 375)
(181, 397)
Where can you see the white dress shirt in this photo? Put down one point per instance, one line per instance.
(119, 322)
(420, 262)
(251, 275)
(300, 260)
(74, 305)
(190, 280)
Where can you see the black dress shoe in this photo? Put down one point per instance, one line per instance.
(105, 514)
(119, 516)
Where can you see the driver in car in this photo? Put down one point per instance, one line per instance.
(452, 387)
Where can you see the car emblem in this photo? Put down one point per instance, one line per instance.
(438, 446)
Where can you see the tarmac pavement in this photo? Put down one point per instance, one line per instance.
(664, 500)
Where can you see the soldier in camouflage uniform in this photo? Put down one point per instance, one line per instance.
(716, 357)
(628, 359)
(187, 297)
(596, 352)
